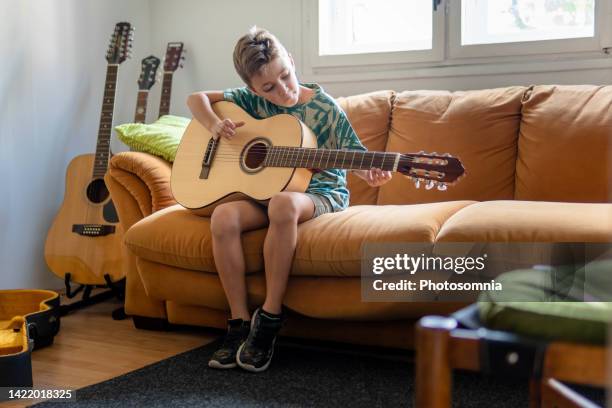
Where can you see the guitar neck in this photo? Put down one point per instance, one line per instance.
(141, 106)
(106, 122)
(164, 106)
(310, 158)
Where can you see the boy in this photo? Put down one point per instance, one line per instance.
(272, 87)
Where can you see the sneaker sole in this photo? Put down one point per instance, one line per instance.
(216, 364)
(250, 367)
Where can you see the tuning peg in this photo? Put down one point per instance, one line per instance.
(442, 187)
(430, 184)
(417, 183)
(446, 155)
(434, 153)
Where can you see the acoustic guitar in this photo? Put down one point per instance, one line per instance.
(276, 154)
(175, 56)
(85, 238)
(146, 81)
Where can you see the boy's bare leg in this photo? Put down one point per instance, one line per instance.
(227, 223)
(285, 211)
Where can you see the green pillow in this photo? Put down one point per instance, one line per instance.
(160, 138)
(529, 305)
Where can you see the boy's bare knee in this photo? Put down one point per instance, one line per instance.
(224, 222)
(283, 208)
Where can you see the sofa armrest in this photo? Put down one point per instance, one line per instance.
(139, 184)
(144, 178)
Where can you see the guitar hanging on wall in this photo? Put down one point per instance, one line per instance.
(277, 154)
(146, 81)
(175, 55)
(84, 244)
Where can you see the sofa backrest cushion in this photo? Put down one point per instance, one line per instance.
(564, 144)
(479, 127)
(369, 115)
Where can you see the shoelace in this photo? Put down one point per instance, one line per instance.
(232, 339)
(263, 335)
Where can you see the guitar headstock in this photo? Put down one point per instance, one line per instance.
(175, 55)
(148, 72)
(431, 168)
(120, 47)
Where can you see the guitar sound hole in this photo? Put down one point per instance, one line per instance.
(97, 191)
(255, 155)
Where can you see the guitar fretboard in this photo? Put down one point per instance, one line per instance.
(141, 106)
(330, 159)
(164, 106)
(106, 122)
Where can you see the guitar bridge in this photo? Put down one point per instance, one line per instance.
(93, 230)
(211, 149)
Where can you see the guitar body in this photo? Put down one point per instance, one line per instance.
(75, 243)
(231, 177)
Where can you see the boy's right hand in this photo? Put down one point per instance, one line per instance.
(225, 128)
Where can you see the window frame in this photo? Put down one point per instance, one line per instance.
(387, 66)
(539, 47)
(310, 9)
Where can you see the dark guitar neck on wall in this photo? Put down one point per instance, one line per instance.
(175, 55)
(145, 83)
(85, 237)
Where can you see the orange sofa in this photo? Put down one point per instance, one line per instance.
(538, 170)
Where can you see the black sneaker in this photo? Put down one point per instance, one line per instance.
(225, 356)
(255, 354)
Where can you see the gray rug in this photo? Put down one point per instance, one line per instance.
(298, 377)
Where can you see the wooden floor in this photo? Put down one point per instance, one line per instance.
(92, 347)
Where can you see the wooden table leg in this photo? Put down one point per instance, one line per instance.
(433, 370)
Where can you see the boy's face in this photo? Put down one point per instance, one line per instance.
(277, 82)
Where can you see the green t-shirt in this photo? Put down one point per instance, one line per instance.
(328, 122)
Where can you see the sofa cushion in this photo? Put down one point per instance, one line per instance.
(529, 221)
(369, 115)
(564, 145)
(479, 127)
(329, 245)
(175, 236)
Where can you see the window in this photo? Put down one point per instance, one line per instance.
(481, 28)
(503, 21)
(362, 26)
(367, 32)
(353, 33)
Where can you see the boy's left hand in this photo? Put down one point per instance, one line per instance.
(376, 177)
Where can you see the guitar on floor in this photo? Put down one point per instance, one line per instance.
(175, 56)
(146, 81)
(84, 242)
(276, 154)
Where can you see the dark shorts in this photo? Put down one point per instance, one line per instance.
(321, 203)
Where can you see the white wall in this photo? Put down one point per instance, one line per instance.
(52, 80)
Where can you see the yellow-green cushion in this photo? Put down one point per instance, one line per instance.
(160, 138)
(531, 306)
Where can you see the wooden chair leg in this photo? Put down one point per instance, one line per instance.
(535, 393)
(433, 369)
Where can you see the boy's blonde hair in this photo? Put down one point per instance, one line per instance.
(254, 50)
